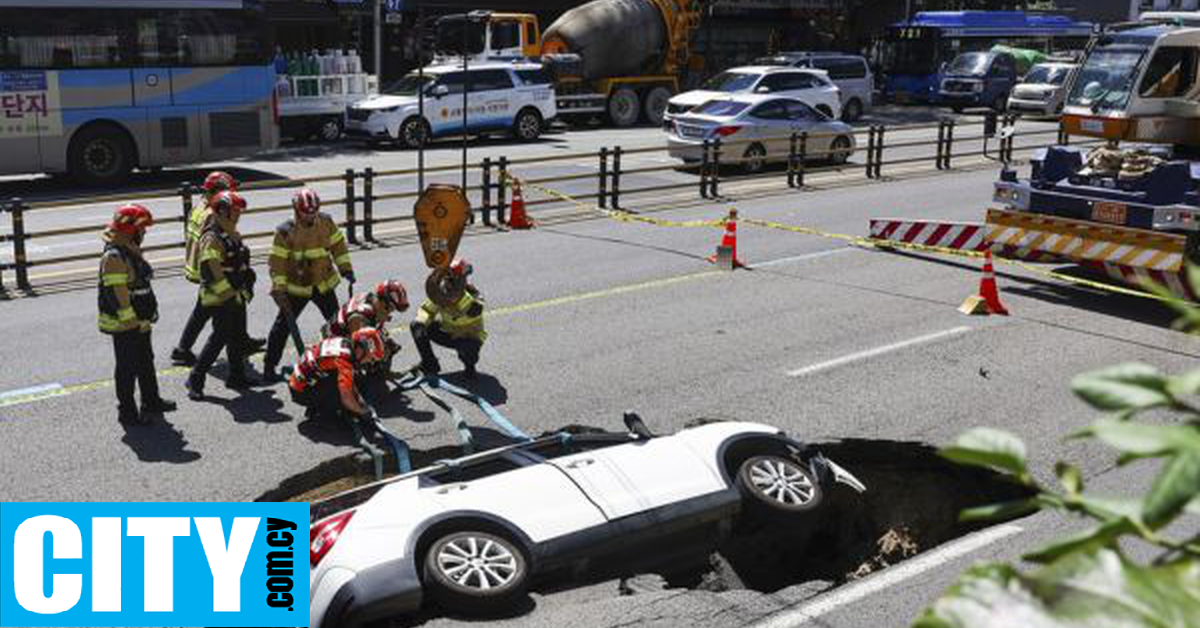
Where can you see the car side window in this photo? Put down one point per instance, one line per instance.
(800, 112)
(453, 82)
(770, 84)
(490, 80)
(534, 77)
(774, 110)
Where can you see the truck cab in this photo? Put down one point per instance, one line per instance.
(489, 36)
(979, 79)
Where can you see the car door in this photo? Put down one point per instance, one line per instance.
(772, 127)
(804, 119)
(491, 100)
(445, 112)
(660, 471)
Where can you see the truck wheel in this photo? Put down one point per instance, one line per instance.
(623, 108)
(329, 129)
(414, 133)
(100, 155)
(528, 125)
(655, 105)
(476, 572)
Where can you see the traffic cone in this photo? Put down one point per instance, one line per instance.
(726, 255)
(988, 299)
(518, 219)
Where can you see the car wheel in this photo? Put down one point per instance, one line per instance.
(655, 105)
(330, 129)
(475, 572)
(754, 160)
(414, 133)
(101, 155)
(840, 150)
(825, 111)
(528, 125)
(777, 484)
(852, 111)
(623, 108)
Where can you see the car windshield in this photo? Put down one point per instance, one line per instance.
(730, 82)
(1107, 77)
(969, 64)
(721, 108)
(408, 85)
(1047, 74)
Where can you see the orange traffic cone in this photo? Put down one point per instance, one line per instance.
(518, 219)
(988, 299)
(726, 255)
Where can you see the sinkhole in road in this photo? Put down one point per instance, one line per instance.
(912, 505)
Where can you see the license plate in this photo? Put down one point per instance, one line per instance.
(1112, 213)
(1092, 125)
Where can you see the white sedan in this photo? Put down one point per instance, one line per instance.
(809, 86)
(471, 533)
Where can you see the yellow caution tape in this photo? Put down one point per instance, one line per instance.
(854, 240)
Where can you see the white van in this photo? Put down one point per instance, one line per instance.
(514, 98)
(850, 73)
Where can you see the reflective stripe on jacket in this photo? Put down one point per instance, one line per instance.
(333, 356)
(303, 257)
(462, 320)
(361, 308)
(125, 300)
(193, 231)
(224, 262)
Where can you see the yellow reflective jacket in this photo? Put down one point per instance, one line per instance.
(125, 301)
(194, 228)
(303, 257)
(464, 319)
(224, 262)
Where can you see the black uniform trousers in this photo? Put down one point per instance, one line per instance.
(323, 399)
(195, 324)
(229, 335)
(134, 366)
(327, 303)
(425, 335)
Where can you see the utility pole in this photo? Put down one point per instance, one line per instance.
(421, 95)
(379, 41)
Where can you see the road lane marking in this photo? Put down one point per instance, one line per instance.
(878, 351)
(44, 390)
(800, 258)
(887, 578)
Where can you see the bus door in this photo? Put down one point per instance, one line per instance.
(160, 123)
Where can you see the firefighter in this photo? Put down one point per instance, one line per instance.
(371, 309)
(307, 257)
(458, 326)
(226, 287)
(128, 309)
(323, 381)
(215, 183)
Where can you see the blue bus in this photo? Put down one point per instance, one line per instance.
(98, 88)
(912, 54)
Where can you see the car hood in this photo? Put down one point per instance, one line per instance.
(697, 97)
(384, 101)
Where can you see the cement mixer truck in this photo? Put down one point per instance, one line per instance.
(621, 60)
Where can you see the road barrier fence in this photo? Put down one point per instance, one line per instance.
(803, 154)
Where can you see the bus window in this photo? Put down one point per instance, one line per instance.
(78, 39)
(1170, 74)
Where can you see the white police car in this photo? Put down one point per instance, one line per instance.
(471, 533)
(516, 98)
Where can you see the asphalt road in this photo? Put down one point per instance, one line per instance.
(593, 317)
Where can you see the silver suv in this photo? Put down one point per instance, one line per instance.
(850, 73)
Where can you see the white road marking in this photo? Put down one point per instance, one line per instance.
(26, 392)
(871, 353)
(889, 577)
(799, 258)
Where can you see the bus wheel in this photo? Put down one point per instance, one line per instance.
(100, 155)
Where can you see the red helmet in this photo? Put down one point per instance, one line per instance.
(218, 181)
(305, 201)
(371, 342)
(393, 293)
(131, 219)
(229, 204)
(461, 267)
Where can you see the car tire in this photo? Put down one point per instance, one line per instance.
(754, 160)
(852, 111)
(100, 155)
(825, 111)
(624, 107)
(655, 105)
(329, 129)
(775, 484)
(414, 133)
(459, 563)
(840, 150)
(527, 126)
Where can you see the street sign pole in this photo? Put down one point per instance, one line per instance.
(421, 95)
(379, 41)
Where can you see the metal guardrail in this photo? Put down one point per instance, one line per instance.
(359, 201)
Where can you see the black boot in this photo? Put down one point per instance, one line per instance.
(195, 388)
(158, 406)
(128, 416)
(182, 357)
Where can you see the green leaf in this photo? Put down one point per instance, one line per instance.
(1088, 540)
(1002, 511)
(988, 447)
(1176, 485)
(1097, 589)
(1143, 440)
(1184, 385)
(1123, 387)
(1070, 477)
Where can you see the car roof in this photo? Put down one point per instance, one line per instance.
(752, 99)
(774, 69)
(443, 68)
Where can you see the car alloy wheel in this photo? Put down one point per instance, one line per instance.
(779, 484)
(755, 159)
(839, 150)
(414, 133)
(529, 125)
(852, 111)
(475, 571)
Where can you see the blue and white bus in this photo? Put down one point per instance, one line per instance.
(913, 53)
(98, 88)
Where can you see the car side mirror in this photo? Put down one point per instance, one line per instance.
(439, 90)
(762, 90)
